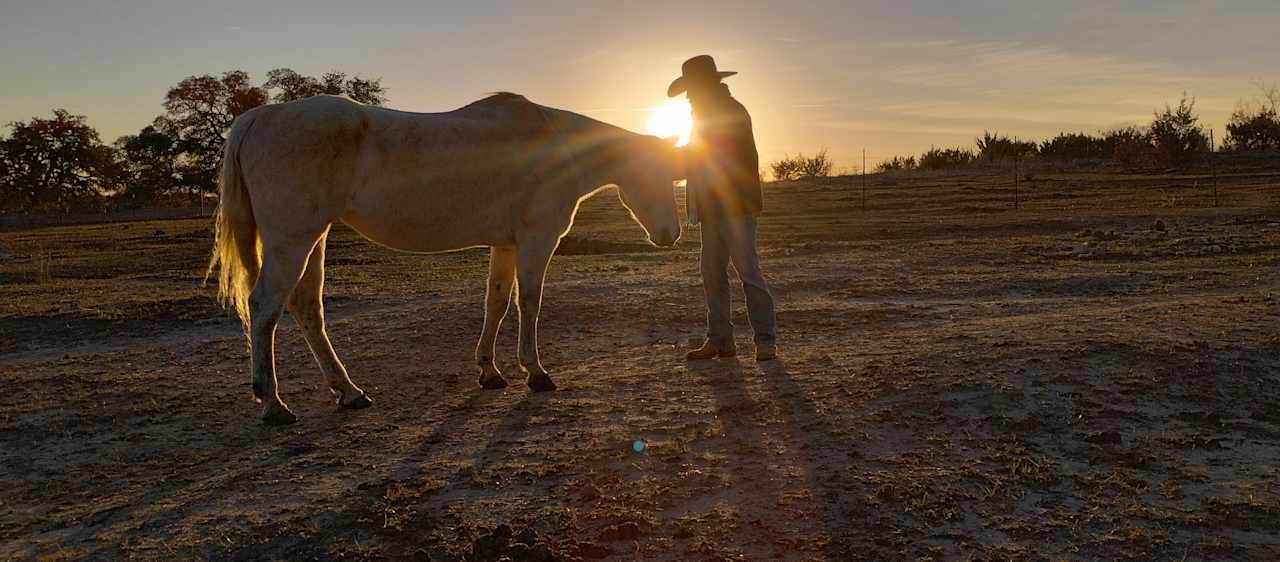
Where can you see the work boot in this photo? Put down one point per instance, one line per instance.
(709, 351)
(766, 352)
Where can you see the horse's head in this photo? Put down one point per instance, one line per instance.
(647, 188)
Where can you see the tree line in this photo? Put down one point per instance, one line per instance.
(1175, 138)
(60, 162)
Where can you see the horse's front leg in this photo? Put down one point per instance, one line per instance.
(532, 257)
(497, 296)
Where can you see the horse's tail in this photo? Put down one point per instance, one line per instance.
(235, 241)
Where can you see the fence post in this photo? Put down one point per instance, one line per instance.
(1016, 159)
(1213, 166)
(864, 180)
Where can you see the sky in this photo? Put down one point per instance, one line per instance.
(888, 76)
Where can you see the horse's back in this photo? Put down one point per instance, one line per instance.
(413, 181)
(324, 127)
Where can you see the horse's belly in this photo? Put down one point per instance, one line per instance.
(425, 202)
(411, 235)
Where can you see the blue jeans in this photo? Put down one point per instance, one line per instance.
(734, 240)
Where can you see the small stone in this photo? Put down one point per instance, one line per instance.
(1108, 437)
(592, 550)
(492, 546)
(628, 531)
(526, 536)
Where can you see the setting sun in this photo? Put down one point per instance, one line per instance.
(672, 119)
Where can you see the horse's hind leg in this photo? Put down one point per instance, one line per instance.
(306, 303)
(282, 265)
(497, 297)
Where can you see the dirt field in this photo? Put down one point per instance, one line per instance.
(1095, 375)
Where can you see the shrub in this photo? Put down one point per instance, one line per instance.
(1130, 146)
(1257, 131)
(941, 159)
(1256, 125)
(794, 168)
(1075, 146)
(1177, 136)
(897, 163)
(993, 146)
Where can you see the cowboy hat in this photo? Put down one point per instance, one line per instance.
(699, 69)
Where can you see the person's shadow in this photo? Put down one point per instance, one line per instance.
(811, 444)
(824, 455)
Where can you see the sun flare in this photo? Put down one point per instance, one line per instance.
(672, 119)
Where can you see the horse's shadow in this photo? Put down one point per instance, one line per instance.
(816, 446)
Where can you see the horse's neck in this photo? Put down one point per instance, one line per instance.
(599, 164)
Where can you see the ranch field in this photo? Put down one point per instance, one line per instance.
(1092, 376)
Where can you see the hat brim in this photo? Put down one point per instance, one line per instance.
(681, 85)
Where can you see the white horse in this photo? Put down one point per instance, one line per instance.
(501, 172)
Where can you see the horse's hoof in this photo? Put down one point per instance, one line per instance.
(358, 403)
(279, 416)
(492, 382)
(541, 383)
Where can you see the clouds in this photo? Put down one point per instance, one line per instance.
(895, 74)
(904, 95)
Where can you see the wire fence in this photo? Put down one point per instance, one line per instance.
(13, 221)
(1221, 179)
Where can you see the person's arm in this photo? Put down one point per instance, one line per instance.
(747, 158)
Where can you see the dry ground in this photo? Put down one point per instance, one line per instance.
(960, 380)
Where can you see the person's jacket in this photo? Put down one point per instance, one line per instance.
(723, 173)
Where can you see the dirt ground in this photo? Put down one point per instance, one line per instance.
(1090, 376)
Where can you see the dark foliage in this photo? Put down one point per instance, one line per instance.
(1177, 136)
(1256, 131)
(801, 166)
(56, 163)
(1255, 125)
(198, 112)
(994, 147)
(1074, 146)
(1130, 146)
(61, 163)
(151, 167)
(942, 159)
(288, 85)
(898, 163)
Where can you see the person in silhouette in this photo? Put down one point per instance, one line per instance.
(724, 195)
